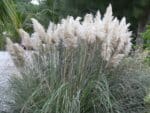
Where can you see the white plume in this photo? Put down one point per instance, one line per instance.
(111, 34)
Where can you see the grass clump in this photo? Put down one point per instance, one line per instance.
(74, 67)
(44, 89)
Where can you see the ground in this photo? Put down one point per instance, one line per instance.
(7, 69)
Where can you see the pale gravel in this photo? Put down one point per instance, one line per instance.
(7, 69)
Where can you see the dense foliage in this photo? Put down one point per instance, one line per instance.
(146, 37)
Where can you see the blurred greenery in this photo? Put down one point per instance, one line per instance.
(146, 37)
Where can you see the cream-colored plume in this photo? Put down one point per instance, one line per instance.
(39, 29)
(17, 53)
(111, 34)
(25, 39)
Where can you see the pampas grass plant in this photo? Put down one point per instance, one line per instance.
(71, 68)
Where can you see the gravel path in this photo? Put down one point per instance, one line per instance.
(7, 69)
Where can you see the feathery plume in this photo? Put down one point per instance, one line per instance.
(115, 60)
(111, 34)
(36, 42)
(38, 28)
(19, 54)
(16, 52)
(25, 39)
